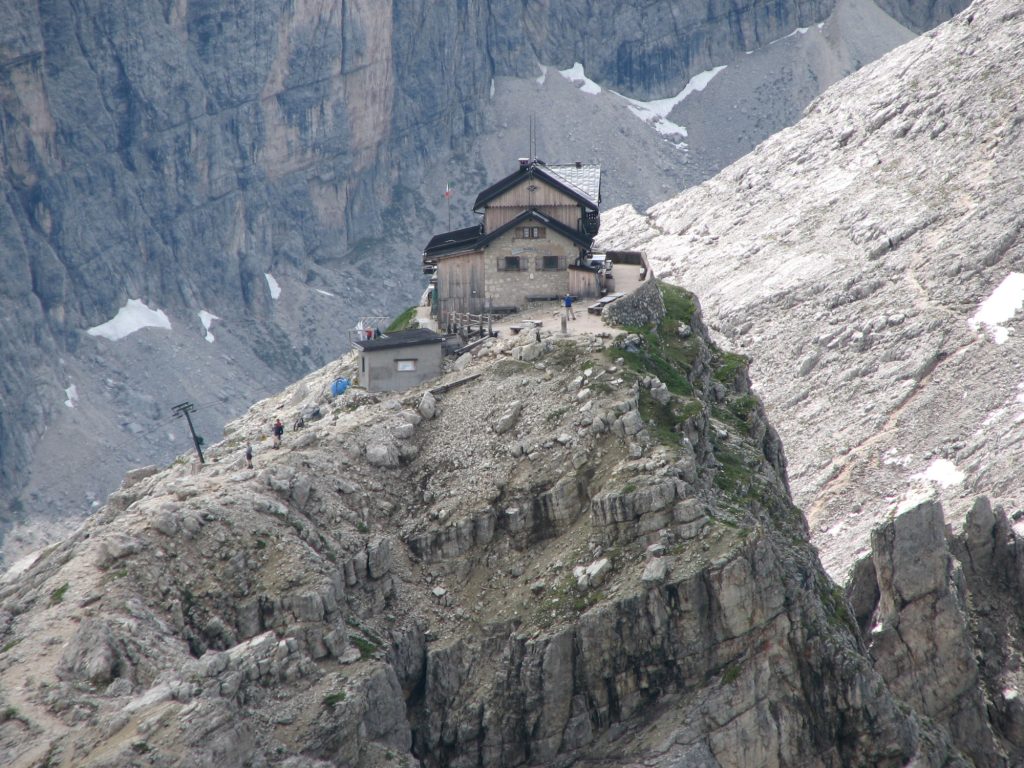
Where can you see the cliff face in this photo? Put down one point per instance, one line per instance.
(583, 551)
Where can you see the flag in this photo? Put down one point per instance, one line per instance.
(448, 190)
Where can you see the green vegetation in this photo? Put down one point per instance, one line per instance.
(664, 352)
(730, 674)
(665, 418)
(834, 602)
(629, 488)
(9, 713)
(742, 406)
(729, 366)
(10, 645)
(403, 322)
(334, 698)
(141, 748)
(555, 416)
(362, 527)
(57, 596)
(366, 648)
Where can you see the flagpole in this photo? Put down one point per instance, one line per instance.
(448, 199)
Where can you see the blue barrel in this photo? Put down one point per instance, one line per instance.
(339, 386)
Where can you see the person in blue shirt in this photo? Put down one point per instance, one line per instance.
(569, 311)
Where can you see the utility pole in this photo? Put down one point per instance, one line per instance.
(184, 409)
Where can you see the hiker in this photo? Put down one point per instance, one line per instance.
(300, 422)
(278, 431)
(569, 311)
(248, 455)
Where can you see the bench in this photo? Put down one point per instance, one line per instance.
(598, 306)
(525, 324)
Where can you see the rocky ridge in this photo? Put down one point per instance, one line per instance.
(869, 259)
(570, 551)
(180, 153)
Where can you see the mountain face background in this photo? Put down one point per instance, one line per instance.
(178, 153)
(871, 261)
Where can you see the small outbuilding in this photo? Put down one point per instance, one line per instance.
(395, 362)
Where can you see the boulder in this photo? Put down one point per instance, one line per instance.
(383, 454)
(509, 418)
(428, 406)
(91, 656)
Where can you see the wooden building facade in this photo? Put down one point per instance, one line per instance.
(536, 224)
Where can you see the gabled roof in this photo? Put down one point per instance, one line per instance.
(410, 338)
(452, 242)
(554, 224)
(589, 196)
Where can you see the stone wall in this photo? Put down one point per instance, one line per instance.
(514, 288)
(642, 307)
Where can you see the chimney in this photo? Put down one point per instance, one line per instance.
(579, 164)
(524, 163)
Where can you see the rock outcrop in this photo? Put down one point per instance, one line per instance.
(869, 259)
(939, 613)
(612, 580)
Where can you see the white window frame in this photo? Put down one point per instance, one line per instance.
(406, 365)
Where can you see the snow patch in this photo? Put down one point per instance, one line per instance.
(543, 75)
(275, 287)
(132, 317)
(492, 87)
(207, 318)
(325, 293)
(1002, 305)
(942, 472)
(578, 77)
(655, 113)
(72, 393)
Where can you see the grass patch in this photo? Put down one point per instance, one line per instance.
(679, 304)
(741, 407)
(333, 698)
(666, 419)
(629, 488)
(664, 352)
(362, 527)
(366, 648)
(9, 713)
(261, 544)
(403, 322)
(8, 646)
(730, 364)
(57, 596)
(555, 416)
(730, 674)
(141, 748)
(834, 602)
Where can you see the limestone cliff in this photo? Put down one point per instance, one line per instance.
(583, 551)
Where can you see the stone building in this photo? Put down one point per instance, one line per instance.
(395, 362)
(532, 244)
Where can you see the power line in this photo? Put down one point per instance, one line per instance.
(185, 409)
